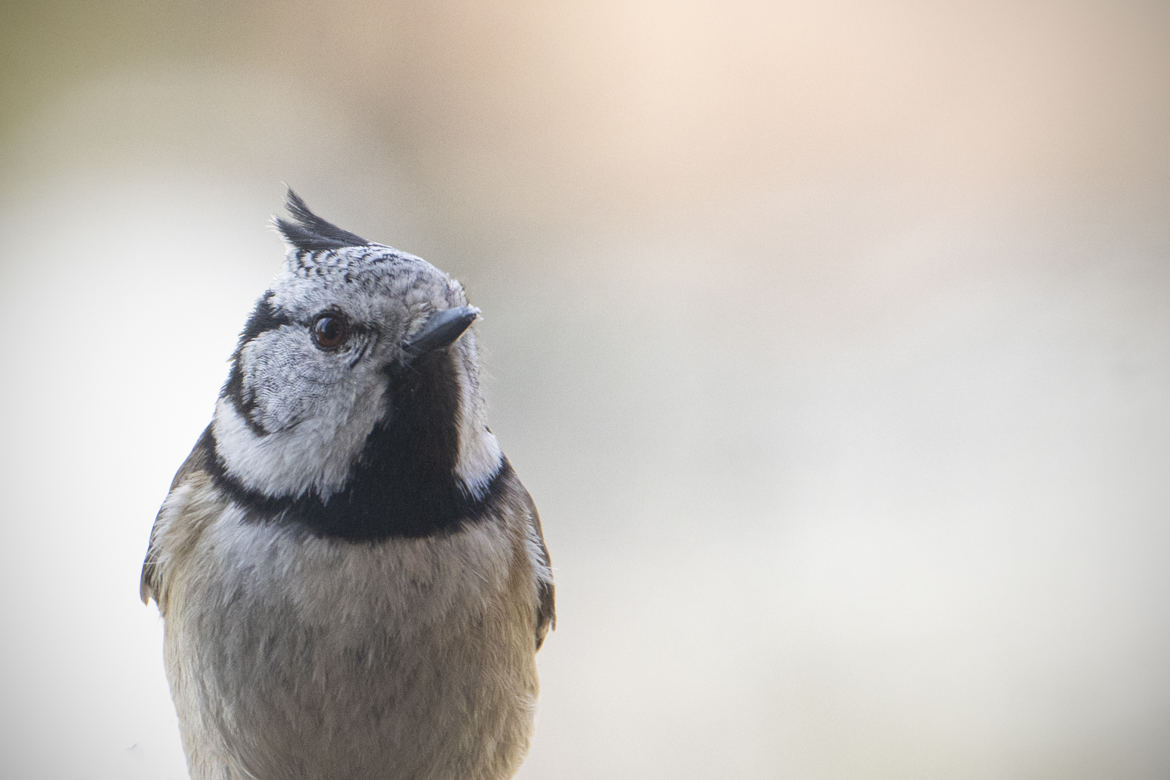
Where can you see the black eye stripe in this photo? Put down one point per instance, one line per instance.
(264, 317)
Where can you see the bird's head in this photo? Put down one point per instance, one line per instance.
(355, 372)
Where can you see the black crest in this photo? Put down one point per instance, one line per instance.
(309, 233)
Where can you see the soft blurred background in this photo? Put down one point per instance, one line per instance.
(833, 340)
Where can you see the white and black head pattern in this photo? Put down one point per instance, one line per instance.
(354, 388)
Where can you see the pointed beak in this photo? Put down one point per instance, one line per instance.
(442, 329)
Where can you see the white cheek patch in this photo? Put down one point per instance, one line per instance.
(285, 378)
(314, 454)
(311, 413)
(479, 459)
(479, 455)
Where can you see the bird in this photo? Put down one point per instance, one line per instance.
(353, 581)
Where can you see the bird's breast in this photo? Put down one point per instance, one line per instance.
(320, 649)
(348, 586)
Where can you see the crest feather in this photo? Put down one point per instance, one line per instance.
(308, 232)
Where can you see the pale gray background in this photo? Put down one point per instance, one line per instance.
(833, 340)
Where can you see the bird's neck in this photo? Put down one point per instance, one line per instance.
(428, 467)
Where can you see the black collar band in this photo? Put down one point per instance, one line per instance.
(368, 515)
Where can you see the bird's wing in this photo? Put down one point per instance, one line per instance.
(151, 585)
(546, 612)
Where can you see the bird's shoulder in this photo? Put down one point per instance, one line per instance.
(191, 504)
(546, 615)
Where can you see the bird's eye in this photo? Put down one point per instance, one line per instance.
(330, 330)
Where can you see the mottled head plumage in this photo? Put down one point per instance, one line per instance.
(310, 233)
(388, 405)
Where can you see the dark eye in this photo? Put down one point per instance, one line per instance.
(330, 330)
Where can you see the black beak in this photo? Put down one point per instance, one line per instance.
(442, 329)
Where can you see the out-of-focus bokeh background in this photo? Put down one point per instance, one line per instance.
(833, 340)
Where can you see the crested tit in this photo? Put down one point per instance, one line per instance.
(353, 581)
